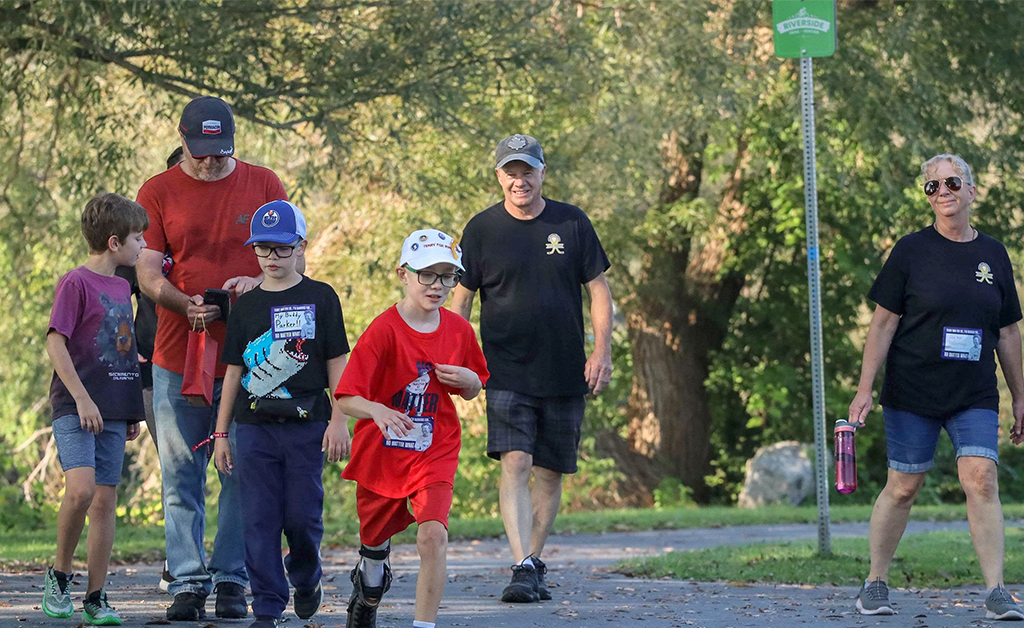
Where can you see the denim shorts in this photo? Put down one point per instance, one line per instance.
(911, 439)
(104, 452)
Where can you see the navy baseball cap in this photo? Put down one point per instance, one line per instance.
(519, 148)
(208, 127)
(277, 221)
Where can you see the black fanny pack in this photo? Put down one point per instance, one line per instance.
(295, 409)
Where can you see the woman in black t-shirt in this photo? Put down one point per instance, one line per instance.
(946, 303)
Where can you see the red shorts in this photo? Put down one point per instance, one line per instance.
(380, 518)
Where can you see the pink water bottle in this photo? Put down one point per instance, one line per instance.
(846, 458)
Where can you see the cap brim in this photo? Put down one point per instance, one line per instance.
(530, 159)
(421, 262)
(218, 147)
(279, 238)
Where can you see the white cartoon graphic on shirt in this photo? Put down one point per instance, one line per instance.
(415, 401)
(270, 363)
(555, 245)
(984, 273)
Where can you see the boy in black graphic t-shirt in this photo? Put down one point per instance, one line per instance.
(285, 346)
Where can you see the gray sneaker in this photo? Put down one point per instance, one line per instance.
(56, 603)
(873, 598)
(1000, 605)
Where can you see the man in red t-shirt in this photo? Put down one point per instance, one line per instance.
(200, 212)
(406, 446)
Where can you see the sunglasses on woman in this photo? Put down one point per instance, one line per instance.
(953, 184)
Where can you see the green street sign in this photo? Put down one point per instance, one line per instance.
(804, 28)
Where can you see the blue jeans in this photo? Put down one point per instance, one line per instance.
(911, 439)
(180, 426)
(282, 464)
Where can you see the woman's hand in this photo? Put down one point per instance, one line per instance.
(1017, 431)
(222, 455)
(386, 417)
(859, 408)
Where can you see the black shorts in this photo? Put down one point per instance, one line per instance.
(548, 428)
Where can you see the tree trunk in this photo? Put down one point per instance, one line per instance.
(676, 317)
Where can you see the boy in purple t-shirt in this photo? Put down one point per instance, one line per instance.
(96, 394)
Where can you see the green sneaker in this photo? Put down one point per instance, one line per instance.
(99, 613)
(56, 603)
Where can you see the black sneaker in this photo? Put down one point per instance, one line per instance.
(187, 606)
(362, 606)
(265, 622)
(231, 602)
(307, 604)
(542, 587)
(523, 587)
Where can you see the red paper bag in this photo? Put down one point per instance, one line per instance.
(200, 368)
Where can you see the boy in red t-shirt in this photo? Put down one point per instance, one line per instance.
(406, 448)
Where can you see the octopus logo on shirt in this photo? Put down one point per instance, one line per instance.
(555, 245)
(984, 273)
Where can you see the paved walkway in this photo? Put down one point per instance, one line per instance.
(585, 592)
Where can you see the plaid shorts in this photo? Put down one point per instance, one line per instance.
(548, 428)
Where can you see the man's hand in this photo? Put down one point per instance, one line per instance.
(89, 415)
(133, 432)
(222, 455)
(458, 377)
(240, 285)
(200, 315)
(386, 417)
(337, 442)
(598, 371)
(1017, 431)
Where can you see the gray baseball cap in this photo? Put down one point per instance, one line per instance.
(519, 148)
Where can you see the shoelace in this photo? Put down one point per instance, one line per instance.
(877, 590)
(999, 594)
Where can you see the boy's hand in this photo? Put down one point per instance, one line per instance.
(458, 377)
(222, 455)
(133, 431)
(89, 416)
(337, 442)
(386, 417)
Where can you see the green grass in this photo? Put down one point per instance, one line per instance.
(140, 543)
(937, 559)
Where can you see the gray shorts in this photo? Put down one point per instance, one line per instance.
(548, 428)
(104, 452)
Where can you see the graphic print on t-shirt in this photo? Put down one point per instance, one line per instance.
(270, 363)
(114, 340)
(293, 321)
(420, 405)
(961, 343)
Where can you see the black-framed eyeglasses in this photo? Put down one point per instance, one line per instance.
(428, 277)
(283, 252)
(953, 184)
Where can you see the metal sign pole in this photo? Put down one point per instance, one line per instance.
(814, 297)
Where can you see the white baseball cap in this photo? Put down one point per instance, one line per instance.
(427, 247)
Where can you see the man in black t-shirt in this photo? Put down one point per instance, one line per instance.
(529, 256)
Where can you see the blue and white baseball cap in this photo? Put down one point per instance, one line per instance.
(277, 221)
